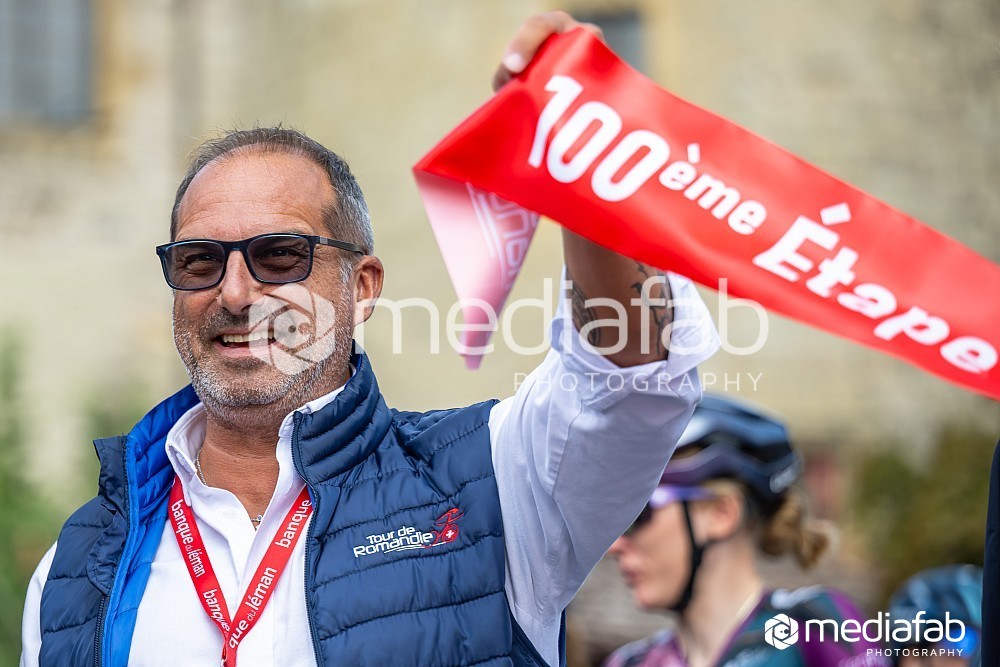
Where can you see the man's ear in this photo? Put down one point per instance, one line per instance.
(722, 515)
(368, 274)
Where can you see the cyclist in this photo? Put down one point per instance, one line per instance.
(949, 593)
(725, 498)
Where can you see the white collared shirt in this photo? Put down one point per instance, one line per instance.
(577, 451)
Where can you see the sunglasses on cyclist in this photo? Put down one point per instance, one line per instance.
(664, 495)
(273, 259)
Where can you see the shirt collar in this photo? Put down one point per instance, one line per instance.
(187, 435)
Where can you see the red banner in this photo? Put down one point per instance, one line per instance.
(585, 140)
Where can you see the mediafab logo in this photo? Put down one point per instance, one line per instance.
(782, 631)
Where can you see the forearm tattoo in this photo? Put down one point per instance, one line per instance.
(583, 314)
(657, 300)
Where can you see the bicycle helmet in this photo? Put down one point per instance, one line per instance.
(950, 591)
(735, 441)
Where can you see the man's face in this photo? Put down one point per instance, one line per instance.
(242, 195)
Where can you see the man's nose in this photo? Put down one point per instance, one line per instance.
(238, 289)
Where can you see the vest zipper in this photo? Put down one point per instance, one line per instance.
(297, 461)
(106, 599)
(98, 639)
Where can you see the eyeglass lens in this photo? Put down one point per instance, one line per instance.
(273, 259)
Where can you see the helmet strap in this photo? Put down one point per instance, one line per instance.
(697, 552)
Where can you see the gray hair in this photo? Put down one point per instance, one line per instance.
(347, 219)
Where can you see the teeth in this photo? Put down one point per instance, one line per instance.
(246, 338)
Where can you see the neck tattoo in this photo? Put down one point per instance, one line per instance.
(255, 521)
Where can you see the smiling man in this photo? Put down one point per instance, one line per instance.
(278, 513)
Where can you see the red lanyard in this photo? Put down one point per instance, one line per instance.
(258, 593)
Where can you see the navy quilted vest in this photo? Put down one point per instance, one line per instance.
(404, 555)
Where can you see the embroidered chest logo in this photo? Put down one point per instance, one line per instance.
(445, 531)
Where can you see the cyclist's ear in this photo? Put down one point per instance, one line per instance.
(722, 515)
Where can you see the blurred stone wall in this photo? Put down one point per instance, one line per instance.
(898, 98)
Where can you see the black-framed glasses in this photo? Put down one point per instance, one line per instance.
(273, 259)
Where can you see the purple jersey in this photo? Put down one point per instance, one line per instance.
(773, 634)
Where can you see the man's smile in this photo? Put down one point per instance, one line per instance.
(229, 339)
(243, 345)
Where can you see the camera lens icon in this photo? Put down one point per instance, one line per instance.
(302, 324)
(781, 631)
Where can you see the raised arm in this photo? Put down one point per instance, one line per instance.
(621, 306)
(579, 447)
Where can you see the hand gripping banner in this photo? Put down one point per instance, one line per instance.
(585, 140)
